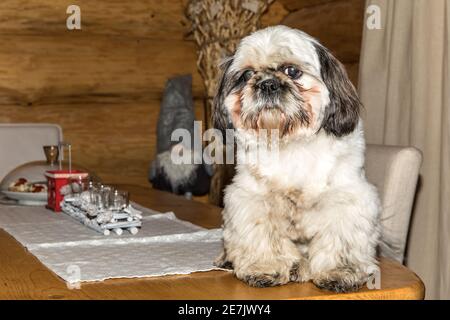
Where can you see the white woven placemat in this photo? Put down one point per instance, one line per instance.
(164, 245)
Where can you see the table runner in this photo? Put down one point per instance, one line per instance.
(164, 245)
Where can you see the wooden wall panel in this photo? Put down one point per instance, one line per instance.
(155, 19)
(94, 69)
(293, 5)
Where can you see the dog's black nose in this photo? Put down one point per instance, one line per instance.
(269, 85)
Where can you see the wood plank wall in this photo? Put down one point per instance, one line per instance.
(103, 84)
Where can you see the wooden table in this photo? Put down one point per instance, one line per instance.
(22, 276)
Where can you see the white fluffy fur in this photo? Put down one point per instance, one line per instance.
(178, 173)
(311, 215)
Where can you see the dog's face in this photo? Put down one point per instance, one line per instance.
(281, 78)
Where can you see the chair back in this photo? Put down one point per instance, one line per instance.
(394, 171)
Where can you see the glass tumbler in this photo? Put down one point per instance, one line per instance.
(120, 200)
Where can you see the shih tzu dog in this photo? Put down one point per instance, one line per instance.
(310, 214)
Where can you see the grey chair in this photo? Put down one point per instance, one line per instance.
(21, 143)
(394, 171)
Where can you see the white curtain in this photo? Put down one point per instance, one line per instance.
(404, 84)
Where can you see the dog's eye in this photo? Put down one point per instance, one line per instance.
(248, 74)
(292, 72)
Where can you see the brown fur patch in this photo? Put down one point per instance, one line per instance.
(236, 111)
(271, 119)
(308, 95)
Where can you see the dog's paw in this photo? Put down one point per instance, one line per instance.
(265, 275)
(222, 262)
(340, 280)
(264, 280)
(300, 271)
(225, 264)
(337, 285)
(275, 273)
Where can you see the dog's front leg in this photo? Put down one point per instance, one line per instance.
(343, 227)
(255, 243)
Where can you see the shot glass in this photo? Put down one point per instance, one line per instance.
(120, 200)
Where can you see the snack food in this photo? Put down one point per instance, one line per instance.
(22, 185)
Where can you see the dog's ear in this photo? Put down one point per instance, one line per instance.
(342, 113)
(220, 117)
